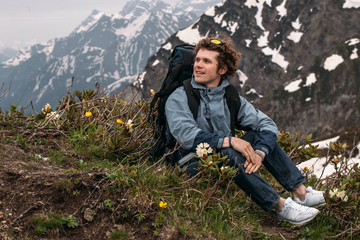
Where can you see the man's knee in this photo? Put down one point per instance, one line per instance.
(234, 158)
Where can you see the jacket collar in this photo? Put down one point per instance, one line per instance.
(223, 84)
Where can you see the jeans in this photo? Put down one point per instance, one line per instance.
(276, 162)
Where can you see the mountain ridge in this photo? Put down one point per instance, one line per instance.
(283, 43)
(104, 49)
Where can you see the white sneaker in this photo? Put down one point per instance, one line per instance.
(295, 213)
(313, 198)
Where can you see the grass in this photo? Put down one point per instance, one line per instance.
(209, 207)
(52, 221)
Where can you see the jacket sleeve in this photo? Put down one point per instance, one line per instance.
(266, 130)
(182, 124)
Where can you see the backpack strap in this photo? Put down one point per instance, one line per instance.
(233, 102)
(231, 96)
(193, 96)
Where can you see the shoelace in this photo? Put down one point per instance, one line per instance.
(297, 207)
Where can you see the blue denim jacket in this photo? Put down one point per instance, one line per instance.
(213, 121)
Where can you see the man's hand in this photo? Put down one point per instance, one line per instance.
(253, 161)
(251, 167)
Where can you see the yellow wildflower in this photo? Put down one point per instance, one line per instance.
(88, 114)
(119, 121)
(306, 169)
(152, 92)
(162, 204)
(46, 109)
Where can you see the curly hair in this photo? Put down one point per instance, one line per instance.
(228, 56)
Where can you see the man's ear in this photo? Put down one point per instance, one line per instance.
(223, 70)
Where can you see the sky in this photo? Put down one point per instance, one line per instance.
(27, 22)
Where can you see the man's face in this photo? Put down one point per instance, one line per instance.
(206, 68)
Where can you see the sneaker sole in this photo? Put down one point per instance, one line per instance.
(298, 223)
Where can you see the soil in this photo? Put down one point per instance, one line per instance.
(31, 186)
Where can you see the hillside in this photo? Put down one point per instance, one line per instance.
(84, 171)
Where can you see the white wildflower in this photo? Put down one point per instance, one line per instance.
(203, 149)
(333, 192)
(222, 169)
(53, 115)
(342, 196)
(339, 194)
(129, 125)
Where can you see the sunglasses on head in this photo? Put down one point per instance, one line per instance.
(217, 42)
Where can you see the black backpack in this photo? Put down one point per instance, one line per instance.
(179, 74)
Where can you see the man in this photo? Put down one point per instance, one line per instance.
(214, 61)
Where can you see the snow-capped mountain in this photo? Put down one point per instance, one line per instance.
(300, 59)
(109, 49)
(7, 53)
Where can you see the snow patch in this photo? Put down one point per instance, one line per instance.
(282, 10)
(232, 27)
(98, 74)
(253, 91)
(354, 54)
(325, 143)
(218, 19)
(131, 30)
(311, 79)
(119, 83)
(21, 56)
(189, 35)
(351, 4)
(276, 57)
(263, 39)
(156, 62)
(248, 42)
(296, 25)
(210, 12)
(352, 41)
(242, 77)
(139, 81)
(293, 86)
(259, 5)
(332, 62)
(295, 36)
(167, 46)
(89, 22)
(322, 168)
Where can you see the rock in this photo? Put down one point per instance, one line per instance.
(89, 214)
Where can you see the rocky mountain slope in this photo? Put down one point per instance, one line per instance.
(300, 61)
(109, 49)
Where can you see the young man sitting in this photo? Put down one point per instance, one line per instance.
(215, 61)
